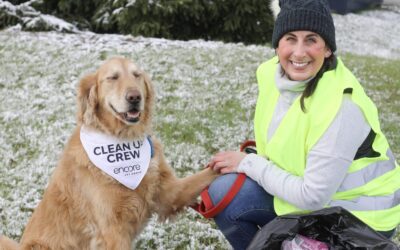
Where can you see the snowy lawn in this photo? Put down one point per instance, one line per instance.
(206, 94)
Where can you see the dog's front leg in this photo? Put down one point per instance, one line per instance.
(177, 193)
(191, 186)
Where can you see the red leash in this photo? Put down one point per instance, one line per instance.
(206, 207)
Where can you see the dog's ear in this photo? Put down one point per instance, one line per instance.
(87, 98)
(149, 88)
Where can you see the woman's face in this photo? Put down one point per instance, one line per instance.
(301, 54)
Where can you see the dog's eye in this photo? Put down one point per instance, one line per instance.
(136, 73)
(113, 77)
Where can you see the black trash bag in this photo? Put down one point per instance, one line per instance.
(335, 226)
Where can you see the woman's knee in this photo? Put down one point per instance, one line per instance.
(250, 192)
(220, 187)
(251, 207)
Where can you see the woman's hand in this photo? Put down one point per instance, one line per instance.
(226, 162)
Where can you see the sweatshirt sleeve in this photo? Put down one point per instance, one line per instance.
(326, 166)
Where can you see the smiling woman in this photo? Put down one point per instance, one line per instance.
(302, 54)
(319, 141)
(305, 57)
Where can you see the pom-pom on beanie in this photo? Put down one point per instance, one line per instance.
(311, 15)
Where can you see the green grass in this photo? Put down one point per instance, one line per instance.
(206, 95)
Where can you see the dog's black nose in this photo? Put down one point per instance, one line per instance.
(133, 96)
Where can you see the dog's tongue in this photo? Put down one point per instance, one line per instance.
(132, 114)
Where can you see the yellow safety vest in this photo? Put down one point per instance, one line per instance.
(299, 131)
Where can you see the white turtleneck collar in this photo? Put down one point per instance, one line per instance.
(289, 89)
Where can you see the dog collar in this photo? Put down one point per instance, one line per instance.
(127, 161)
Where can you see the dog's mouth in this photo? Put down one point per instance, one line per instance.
(132, 116)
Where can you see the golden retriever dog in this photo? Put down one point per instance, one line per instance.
(84, 207)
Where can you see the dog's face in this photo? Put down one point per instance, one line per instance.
(117, 98)
(122, 89)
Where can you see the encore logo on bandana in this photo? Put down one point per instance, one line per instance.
(126, 161)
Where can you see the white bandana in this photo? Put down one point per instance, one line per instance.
(126, 161)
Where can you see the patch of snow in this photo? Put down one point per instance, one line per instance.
(31, 19)
(130, 3)
(375, 33)
(51, 22)
(5, 5)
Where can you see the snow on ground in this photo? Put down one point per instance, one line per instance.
(39, 73)
(375, 33)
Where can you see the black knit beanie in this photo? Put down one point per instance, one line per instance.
(311, 15)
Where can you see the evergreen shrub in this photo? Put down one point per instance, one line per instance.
(249, 21)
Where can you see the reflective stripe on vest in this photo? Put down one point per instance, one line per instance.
(369, 203)
(299, 131)
(368, 173)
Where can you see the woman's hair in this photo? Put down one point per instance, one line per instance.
(329, 64)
